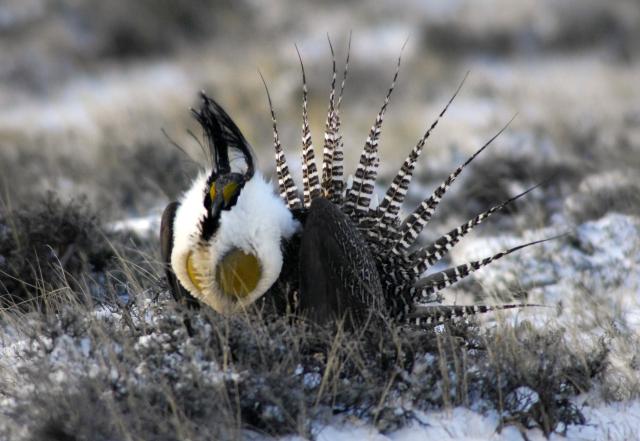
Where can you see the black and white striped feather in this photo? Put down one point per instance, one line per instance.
(337, 165)
(358, 198)
(286, 184)
(310, 179)
(389, 238)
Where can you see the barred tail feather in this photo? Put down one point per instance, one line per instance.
(286, 184)
(359, 195)
(421, 260)
(433, 315)
(330, 134)
(394, 197)
(416, 221)
(337, 167)
(426, 287)
(311, 181)
(345, 72)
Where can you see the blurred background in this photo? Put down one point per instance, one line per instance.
(88, 88)
(95, 98)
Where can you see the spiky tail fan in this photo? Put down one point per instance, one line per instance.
(389, 237)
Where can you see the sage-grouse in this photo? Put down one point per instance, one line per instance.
(332, 253)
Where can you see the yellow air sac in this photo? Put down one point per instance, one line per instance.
(194, 275)
(238, 273)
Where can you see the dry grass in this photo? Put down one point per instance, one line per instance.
(94, 347)
(116, 362)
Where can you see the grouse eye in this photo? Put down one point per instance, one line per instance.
(229, 191)
(222, 193)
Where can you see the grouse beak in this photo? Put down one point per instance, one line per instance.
(216, 205)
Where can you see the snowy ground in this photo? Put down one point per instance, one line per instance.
(87, 89)
(555, 274)
(606, 422)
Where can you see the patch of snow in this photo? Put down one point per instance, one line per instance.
(143, 226)
(87, 102)
(349, 432)
(597, 265)
(523, 398)
(614, 422)
(312, 380)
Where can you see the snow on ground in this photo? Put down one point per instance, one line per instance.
(88, 106)
(562, 272)
(556, 272)
(143, 226)
(582, 99)
(595, 264)
(614, 422)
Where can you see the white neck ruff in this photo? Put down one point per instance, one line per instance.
(256, 224)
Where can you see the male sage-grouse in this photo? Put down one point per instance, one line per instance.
(335, 252)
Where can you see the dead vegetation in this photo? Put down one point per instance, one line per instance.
(93, 348)
(120, 365)
(48, 244)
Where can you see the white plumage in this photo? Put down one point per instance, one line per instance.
(256, 224)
